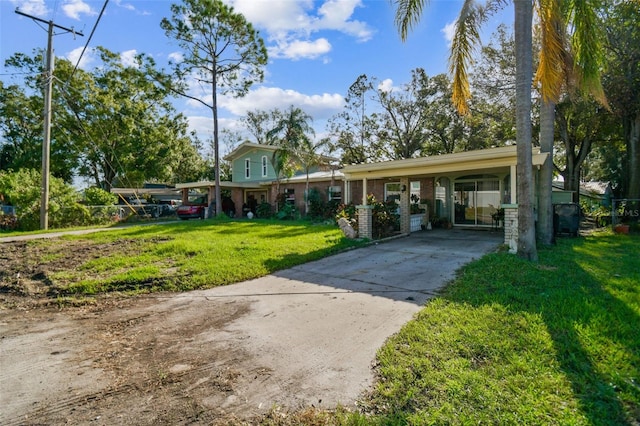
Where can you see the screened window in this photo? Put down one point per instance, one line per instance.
(264, 166)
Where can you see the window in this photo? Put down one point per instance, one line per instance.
(414, 196)
(335, 193)
(247, 168)
(392, 192)
(290, 196)
(264, 166)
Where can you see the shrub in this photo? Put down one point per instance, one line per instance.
(8, 222)
(385, 220)
(288, 212)
(264, 210)
(95, 196)
(22, 189)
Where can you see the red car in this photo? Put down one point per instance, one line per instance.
(193, 209)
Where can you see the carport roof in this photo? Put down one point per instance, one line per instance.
(223, 184)
(468, 161)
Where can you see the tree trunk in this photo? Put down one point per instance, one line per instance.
(216, 145)
(545, 204)
(633, 150)
(524, 70)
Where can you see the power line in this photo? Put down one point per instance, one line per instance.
(93, 30)
(46, 141)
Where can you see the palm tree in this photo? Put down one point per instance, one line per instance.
(549, 74)
(466, 37)
(308, 157)
(568, 62)
(290, 135)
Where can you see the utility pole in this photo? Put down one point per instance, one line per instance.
(46, 140)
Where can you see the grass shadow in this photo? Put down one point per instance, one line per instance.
(510, 335)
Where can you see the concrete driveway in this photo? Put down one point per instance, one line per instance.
(320, 324)
(300, 337)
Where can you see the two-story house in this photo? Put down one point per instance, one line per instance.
(254, 180)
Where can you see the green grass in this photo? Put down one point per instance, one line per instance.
(514, 342)
(189, 255)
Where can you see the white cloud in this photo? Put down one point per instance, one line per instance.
(290, 24)
(31, 7)
(132, 7)
(176, 57)
(386, 85)
(127, 6)
(301, 49)
(448, 31)
(202, 125)
(336, 15)
(74, 8)
(128, 58)
(276, 16)
(267, 98)
(87, 58)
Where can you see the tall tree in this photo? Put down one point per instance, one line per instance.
(111, 124)
(258, 123)
(292, 135)
(622, 81)
(445, 130)
(355, 129)
(580, 122)
(21, 122)
(465, 38)
(403, 119)
(222, 50)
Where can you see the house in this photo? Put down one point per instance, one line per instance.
(464, 188)
(254, 180)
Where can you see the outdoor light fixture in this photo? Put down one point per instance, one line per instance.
(403, 188)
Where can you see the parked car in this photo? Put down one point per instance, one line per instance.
(168, 207)
(193, 209)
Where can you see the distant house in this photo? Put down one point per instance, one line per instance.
(254, 180)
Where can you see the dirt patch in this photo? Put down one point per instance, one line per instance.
(112, 360)
(297, 340)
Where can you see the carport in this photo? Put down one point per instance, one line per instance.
(466, 188)
(240, 192)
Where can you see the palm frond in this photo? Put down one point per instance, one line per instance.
(587, 46)
(551, 70)
(465, 39)
(408, 14)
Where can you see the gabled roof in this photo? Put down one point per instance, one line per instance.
(246, 147)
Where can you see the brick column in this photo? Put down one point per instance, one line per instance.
(405, 209)
(511, 226)
(365, 221)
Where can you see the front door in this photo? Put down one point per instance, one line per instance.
(475, 201)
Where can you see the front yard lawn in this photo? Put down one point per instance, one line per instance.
(178, 256)
(514, 342)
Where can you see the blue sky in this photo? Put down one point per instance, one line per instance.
(317, 49)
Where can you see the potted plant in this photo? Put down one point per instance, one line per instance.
(621, 228)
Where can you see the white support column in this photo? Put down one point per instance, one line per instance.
(514, 182)
(347, 191)
(364, 191)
